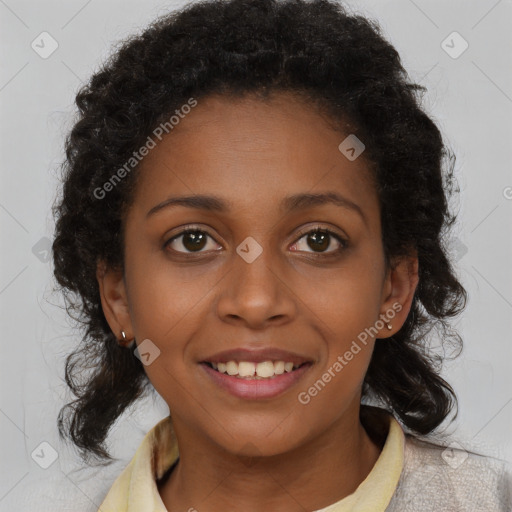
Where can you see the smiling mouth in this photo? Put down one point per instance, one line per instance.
(246, 370)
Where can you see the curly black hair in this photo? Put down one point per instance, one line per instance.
(334, 59)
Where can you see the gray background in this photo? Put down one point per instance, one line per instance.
(470, 97)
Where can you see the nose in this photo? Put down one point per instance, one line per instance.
(256, 294)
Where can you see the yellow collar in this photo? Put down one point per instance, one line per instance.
(135, 489)
(376, 490)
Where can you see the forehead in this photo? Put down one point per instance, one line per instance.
(250, 150)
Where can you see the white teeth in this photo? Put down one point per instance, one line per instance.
(231, 368)
(279, 367)
(247, 369)
(265, 369)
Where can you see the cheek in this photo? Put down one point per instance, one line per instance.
(346, 300)
(166, 307)
(162, 295)
(349, 345)
(347, 305)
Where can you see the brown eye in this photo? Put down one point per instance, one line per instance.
(192, 240)
(320, 240)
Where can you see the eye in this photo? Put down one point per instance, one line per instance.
(192, 239)
(320, 239)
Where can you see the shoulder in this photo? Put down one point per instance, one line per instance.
(449, 478)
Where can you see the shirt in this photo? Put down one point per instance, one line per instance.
(410, 474)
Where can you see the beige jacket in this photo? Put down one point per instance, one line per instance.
(439, 479)
(410, 475)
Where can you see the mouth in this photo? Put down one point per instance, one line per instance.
(249, 370)
(255, 381)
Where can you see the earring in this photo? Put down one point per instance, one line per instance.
(124, 342)
(389, 326)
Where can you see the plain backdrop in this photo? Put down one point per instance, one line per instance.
(469, 96)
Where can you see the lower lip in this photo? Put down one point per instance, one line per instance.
(256, 388)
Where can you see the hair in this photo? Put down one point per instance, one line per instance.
(320, 52)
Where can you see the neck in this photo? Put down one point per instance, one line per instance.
(320, 472)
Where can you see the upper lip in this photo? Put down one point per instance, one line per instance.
(257, 356)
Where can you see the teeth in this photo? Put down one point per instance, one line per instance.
(279, 367)
(231, 368)
(247, 369)
(264, 369)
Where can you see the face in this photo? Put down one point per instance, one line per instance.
(263, 271)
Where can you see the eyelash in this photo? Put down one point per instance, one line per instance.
(343, 242)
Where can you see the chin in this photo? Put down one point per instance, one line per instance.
(263, 443)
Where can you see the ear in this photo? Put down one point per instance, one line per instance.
(398, 292)
(114, 300)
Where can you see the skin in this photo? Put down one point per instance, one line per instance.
(254, 153)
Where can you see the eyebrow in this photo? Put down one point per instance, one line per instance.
(288, 204)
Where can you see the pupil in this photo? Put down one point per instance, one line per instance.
(193, 240)
(320, 238)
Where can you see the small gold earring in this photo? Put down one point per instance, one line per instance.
(389, 326)
(124, 342)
